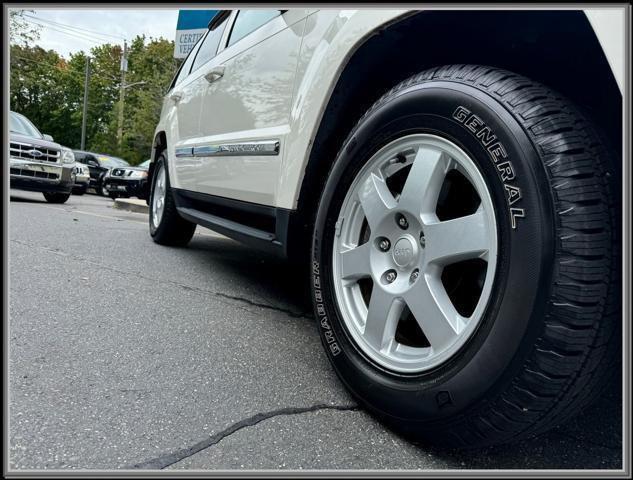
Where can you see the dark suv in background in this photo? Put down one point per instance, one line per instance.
(99, 166)
(125, 182)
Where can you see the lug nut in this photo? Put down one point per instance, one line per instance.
(422, 240)
(390, 276)
(384, 245)
(402, 221)
(414, 275)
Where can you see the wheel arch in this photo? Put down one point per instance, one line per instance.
(556, 48)
(160, 144)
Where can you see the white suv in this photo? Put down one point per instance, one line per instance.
(452, 179)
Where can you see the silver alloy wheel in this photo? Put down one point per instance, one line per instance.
(158, 197)
(397, 240)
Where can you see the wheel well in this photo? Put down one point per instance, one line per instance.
(160, 144)
(556, 48)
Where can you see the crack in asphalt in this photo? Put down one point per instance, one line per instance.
(288, 312)
(165, 460)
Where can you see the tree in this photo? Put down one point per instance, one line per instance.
(48, 89)
(20, 30)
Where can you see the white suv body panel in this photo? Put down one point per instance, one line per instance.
(276, 85)
(608, 25)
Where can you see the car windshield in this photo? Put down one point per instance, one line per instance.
(22, 126)
(107, 161)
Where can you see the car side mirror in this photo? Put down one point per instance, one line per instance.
(93, 163)
(48, 137)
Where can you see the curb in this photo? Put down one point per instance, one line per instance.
(132, 205)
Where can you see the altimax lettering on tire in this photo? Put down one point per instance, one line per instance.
(323, 322)
(497, 152)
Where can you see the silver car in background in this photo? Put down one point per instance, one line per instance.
(37, 163)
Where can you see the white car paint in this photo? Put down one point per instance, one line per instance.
(608, 25)
(276, 84)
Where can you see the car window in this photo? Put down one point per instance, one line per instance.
(248, 21)
(109, 162)
(21, 125)
(185, 68)
(209, 46)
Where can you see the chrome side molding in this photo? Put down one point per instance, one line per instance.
(262, 147)
(184, 152)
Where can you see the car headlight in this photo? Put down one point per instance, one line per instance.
(138, 174)
(67, 155)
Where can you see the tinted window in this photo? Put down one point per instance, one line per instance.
(209, 46)
(248, 21)
(186, 67)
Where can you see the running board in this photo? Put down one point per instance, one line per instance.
(260, 226)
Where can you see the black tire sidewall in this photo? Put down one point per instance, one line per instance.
(514, 314)
(101, 187)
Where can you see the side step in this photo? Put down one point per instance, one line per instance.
(261, 226)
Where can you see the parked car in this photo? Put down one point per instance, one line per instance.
(37, 163)
(99, 166)
(460, 221)
(82, 179)
(128, 182)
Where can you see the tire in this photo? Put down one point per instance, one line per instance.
(113, 196)
(547, 335)
(101, 190)
(54, 197)
(171, 229)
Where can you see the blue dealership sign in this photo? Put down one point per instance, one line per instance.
(192, 24)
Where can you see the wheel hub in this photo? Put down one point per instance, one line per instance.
(413, 236)
(405, 252)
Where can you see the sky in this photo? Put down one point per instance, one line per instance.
(90, 25)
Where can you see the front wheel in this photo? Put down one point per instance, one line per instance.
(101, 188)
(465, 258)
(166, 226)
(54, 197)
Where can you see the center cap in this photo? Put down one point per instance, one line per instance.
(403, 252)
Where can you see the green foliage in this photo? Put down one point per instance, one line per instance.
(48, 89)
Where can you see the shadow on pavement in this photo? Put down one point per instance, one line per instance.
(14, 198)
(590, 440)
(272, 277)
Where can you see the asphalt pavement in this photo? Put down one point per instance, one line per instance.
(127, 354)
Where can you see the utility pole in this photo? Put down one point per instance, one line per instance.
(119, 134)
(85, 110)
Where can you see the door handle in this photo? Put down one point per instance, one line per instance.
(216, 73)
(176, 97)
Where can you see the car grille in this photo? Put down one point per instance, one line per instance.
(32, 152)
(33, 173)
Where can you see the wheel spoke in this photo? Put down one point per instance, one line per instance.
(434, 312)
(376, 199)
(383, 314)
(458, 239)
(424, 182)
(355, 262)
